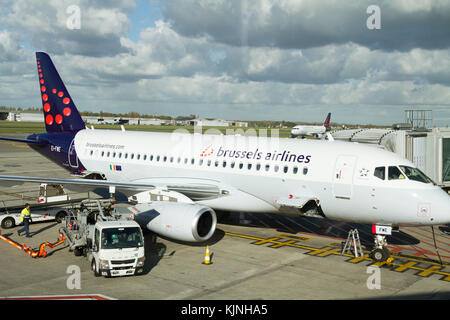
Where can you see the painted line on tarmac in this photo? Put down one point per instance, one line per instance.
(423, 267)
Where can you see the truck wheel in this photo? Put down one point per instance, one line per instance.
(60, 216)
(78, 252)
(8, 223)
(94, 268)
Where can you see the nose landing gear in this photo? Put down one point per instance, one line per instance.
(380, 253)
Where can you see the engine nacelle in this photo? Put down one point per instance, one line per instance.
(179, 221)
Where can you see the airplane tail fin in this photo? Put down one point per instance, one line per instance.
(326, 124)
(60, 113)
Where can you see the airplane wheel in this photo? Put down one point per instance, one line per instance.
(380, 255)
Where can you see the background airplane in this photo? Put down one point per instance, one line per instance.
(199, 174)
(318, 131)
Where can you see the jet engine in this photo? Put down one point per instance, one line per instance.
(179, 221)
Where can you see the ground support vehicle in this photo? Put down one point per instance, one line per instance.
(112, 242)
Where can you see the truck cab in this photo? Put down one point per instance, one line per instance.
(117, 248)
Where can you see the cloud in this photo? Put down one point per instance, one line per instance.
(283, 60)
(46, 25)
(294, 24)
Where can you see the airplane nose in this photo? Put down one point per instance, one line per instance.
(440, 211)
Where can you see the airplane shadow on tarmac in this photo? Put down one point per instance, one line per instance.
(315, 226)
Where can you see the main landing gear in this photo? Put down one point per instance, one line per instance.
(380, 253)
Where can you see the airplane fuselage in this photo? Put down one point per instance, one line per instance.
(308, 130)
(258, 174)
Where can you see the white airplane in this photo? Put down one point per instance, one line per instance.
(202, 173)
(318, 131)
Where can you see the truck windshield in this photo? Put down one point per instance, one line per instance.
(126, 237)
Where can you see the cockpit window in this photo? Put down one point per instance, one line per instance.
(415, 174)
(380, 172)
(394, 173)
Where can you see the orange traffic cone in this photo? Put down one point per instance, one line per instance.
(207, 257)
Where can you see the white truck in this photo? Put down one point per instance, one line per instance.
(113, 243)
(48, 193)
(11, 218)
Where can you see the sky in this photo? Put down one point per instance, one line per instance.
(292, 60)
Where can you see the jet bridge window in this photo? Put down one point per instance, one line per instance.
(394, 173)
(415, 174)
(380, 172)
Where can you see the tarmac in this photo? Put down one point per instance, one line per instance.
(254, 256)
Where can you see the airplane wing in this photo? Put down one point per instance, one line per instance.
(194, 191)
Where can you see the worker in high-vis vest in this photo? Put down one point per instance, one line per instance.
(25, 217)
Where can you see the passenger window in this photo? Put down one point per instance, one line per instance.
(295, 170)
(138, 156)
(305, 170)
(394, 173)
(209, 163)
(224, 164)
(276, 168)
(132, 156)
(103, 153)
(216, 163)
(151, 157)
(200, 162)
(380, 172)
(285, 169)
(165, 158)
(145, 157)
(249, 166)
(192, 160)
(157, 158)
(241, 165)
(171, 159)
(126, 155)
(258, 166)
(267, 167)
(232, 165)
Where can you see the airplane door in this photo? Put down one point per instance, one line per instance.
(73, 159)
(343, 176)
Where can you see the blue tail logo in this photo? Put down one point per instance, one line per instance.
(60, 113)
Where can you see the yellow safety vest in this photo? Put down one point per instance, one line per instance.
(25, 213)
